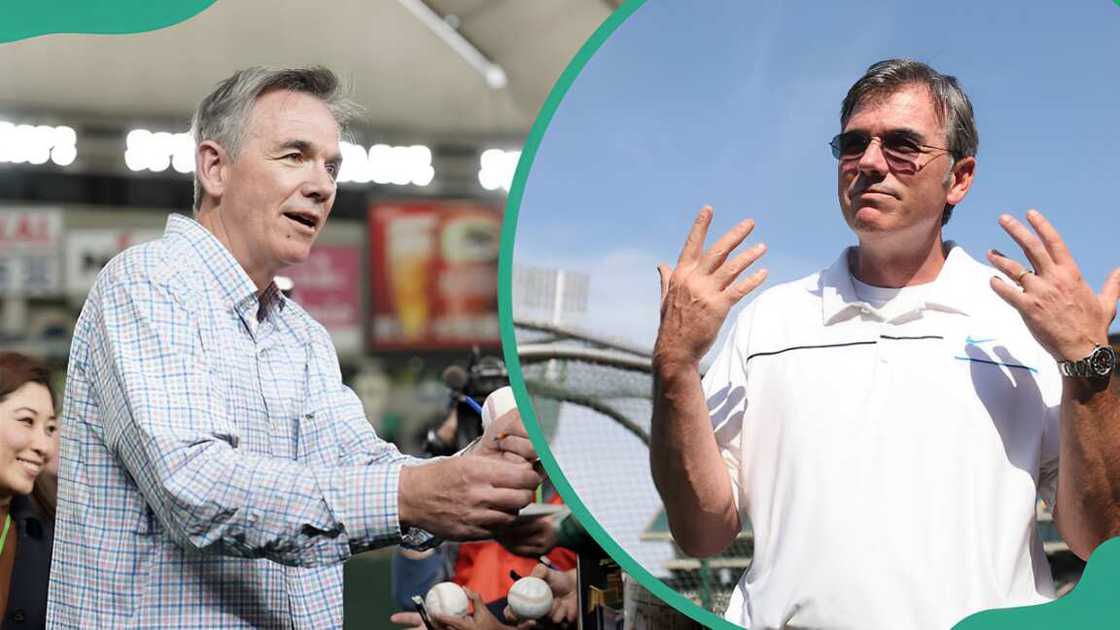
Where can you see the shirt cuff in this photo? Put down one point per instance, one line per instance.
(413, 537)
(372, 517)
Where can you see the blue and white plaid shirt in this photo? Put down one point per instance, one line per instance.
(215, 472)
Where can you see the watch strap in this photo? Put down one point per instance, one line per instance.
(1084, 368)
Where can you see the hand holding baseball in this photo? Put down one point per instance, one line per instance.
(465, 498)
(503, 433)
(481, 619)
(564, 612)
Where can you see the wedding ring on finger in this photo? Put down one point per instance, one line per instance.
(1022, 274)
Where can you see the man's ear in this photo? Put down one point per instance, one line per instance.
(961, 180)
(211, 161)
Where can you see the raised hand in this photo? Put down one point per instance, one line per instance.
(470, 497)
(1057, 305)
(697, 295)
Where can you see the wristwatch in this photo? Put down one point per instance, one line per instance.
(1098, 365)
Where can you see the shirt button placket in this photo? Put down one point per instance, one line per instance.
(883, 347)
(879, 386)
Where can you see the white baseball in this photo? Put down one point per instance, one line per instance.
(447, 598)
(499, 402)
(530, 598)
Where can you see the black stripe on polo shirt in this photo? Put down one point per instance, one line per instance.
(842, 345)
(1010, 365)
(820, 347)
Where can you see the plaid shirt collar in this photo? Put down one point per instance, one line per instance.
(238, 291)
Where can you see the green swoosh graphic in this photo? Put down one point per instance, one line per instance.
(21, 20)
(1093, 604)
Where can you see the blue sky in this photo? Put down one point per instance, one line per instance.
(732, 103)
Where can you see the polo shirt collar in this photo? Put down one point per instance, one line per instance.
(949, 292)
(237, 289)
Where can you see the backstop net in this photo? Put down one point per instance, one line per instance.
(592, 397)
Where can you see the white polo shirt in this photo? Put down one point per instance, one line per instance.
(889, 460)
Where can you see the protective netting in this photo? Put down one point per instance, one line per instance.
(593, 400)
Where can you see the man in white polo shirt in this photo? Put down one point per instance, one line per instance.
(887, 424)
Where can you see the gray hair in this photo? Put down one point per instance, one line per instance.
(223, 116)
(954, 109)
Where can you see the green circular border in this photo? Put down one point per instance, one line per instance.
(22, 20)
(1085, 607)
(509, 337)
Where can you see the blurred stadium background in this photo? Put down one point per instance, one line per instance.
(94, 155)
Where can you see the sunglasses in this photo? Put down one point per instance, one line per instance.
(900, 149)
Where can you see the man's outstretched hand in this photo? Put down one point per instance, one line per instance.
(1059, 308)
(697, 295)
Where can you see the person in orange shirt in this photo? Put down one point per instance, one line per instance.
(484, 566)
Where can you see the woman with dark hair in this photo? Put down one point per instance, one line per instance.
(27, 446)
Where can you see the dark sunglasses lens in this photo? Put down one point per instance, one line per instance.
(901, 145)
(849, 144)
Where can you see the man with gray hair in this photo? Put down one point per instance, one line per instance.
(216, 473)
(887, 426)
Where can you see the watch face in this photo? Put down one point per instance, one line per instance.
(1102, 361)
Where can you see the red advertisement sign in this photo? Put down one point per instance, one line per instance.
(327, 286)
(30, 228)
(433, 275)
(30, 239)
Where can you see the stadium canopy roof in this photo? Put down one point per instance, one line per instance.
(408, 78)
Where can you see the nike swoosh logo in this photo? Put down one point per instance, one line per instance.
(975, 342)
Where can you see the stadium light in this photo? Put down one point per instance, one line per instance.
(158, 151)
(496, 168)
(384, 164)
(36, 144)
(64, 149)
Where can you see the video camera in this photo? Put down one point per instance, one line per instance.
(481, 376)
